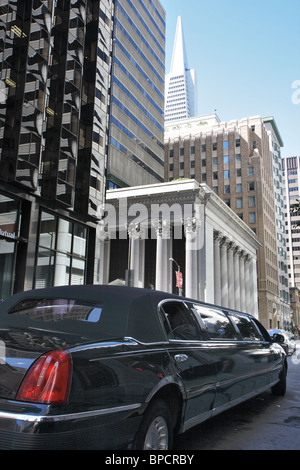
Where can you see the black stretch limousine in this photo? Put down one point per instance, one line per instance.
(103, 367)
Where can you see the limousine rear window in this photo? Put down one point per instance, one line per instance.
(49, 310)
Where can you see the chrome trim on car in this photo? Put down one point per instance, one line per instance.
(69, 416)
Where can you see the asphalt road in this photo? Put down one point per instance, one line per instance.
(265, 422)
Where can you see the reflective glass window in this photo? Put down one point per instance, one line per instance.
(215, 323)
(62, 252)
(180, 324)
(247, 329)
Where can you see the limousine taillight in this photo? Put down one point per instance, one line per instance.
(48, 379)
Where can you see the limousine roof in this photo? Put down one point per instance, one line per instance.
(126, 311)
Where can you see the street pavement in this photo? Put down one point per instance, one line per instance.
(265, 422)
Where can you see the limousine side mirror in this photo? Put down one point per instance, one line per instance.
(278, 338)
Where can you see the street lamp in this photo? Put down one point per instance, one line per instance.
(179, 279)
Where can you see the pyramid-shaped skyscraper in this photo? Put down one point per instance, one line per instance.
(181, 87)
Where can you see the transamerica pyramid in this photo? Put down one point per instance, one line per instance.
(180, 83)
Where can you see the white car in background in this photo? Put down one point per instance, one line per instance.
(289, 344)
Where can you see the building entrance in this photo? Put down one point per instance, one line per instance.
(9, 232)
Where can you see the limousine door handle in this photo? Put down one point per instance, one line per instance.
(181, 357)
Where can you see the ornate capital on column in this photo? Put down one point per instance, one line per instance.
(218, 236)
(224, 241)
(162, 228)
(236, 251)
(134, 231)
(231, 246)
(191, 224)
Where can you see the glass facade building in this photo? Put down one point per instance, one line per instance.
(54, 106)
(81, 108)
(136, 136)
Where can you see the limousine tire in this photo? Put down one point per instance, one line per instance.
(155, 431)
(280, 388)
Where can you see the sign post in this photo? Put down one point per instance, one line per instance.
(179, 277)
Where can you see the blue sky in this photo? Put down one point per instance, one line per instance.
(247, 57)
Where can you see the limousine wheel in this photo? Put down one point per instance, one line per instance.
(280, 388)
(155, 432)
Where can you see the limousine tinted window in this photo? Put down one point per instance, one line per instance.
(216, 323)
(53, 310)
(247, 329)
(180, 323)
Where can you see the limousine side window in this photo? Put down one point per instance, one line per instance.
(215, 322)
(180, 323)
(246, 327)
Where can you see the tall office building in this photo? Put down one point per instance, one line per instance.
(55, 101)
(275, 145)
(291, 191)
(55, 77)
(136, 141)
(291, 188)
(233, 158)
(181, 84)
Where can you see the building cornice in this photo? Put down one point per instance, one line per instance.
(272, 121)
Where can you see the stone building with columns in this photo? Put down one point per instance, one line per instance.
(238, 160)
(150, 232)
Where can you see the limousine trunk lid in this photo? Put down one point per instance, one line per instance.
(20, 347)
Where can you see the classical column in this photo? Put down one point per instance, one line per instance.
(248, 286)
(237, 283)
(242, 282)
(224, 273)
(102, 255)
(230, 276)
(217, 269)
(134, 254)
(191, 257)
(162, 229)
(254, 294)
